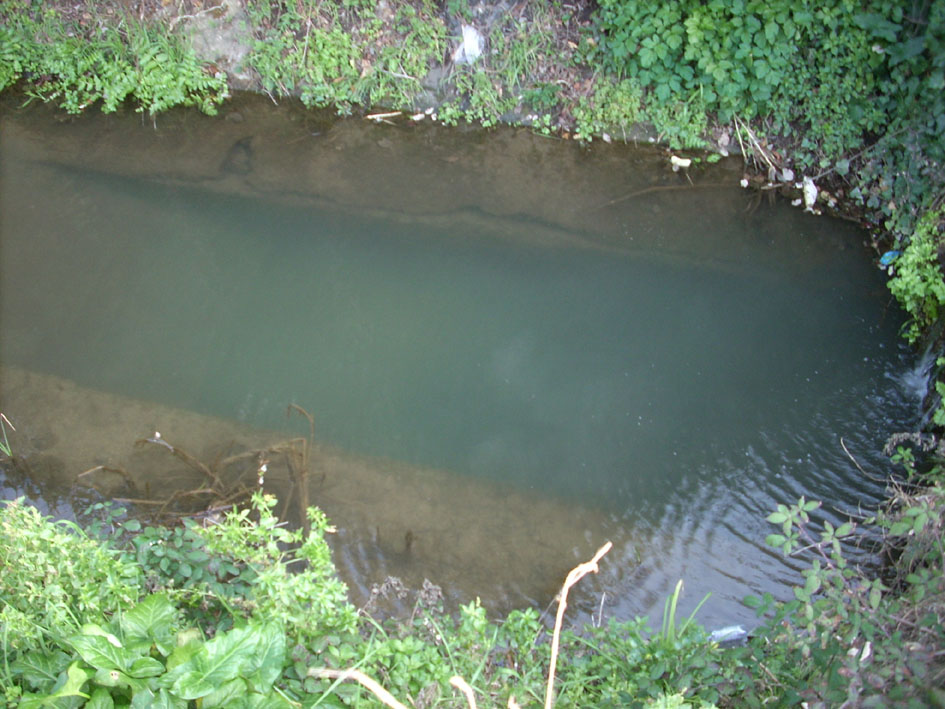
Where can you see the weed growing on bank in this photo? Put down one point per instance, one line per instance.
(345, 54)
(853, 91)
(248, 613)
(80, 64)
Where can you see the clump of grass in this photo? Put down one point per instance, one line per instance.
(5, 445)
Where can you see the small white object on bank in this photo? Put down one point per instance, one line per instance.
(810, 194)
(470, 49)
(729, 635)
(678, 162)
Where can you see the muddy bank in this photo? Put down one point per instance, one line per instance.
(471, 536)
(528, 187)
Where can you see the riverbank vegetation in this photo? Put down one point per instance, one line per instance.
(845, 99)
(842, 105)
(243, 612)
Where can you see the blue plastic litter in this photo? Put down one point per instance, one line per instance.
(888, 257)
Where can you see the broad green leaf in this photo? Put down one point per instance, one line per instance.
(74, 679)
(99, 631)
(877, 26)
(812, 585)
(752, 601)
(41, 669)
(775, 540)
(261, 701)
(218, 661)
(777, 517)
(904, 51)
(101, 699)
(189, 642)
(114, 678)
(146, 667)
(165, 700)
(225, 695)
(98, 651)
(900, 528)
(270, 658)
(152, 621)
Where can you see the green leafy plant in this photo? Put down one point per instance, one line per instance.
(145, 656)
(918, 284)
(47, 593)
(133, 61)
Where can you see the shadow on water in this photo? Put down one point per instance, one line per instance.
(515, 348)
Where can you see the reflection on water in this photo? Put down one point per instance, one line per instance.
(513, 379)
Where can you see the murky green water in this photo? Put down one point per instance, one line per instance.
(671, 364)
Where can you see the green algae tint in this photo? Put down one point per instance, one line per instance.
(515, 348)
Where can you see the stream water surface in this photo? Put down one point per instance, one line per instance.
(515, 348)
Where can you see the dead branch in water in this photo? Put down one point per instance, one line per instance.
(298, 463)
(222, 486)
(661, 188)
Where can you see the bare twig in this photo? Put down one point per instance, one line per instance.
(177, 19)
(382, 116)
(463, 686)
(756, 148)
(106, 469)
(181, 455)
(659, 188)
(358, 676)
(858, 467)
(298, 463)
(576, 574)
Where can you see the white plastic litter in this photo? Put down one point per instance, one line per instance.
(470, 49)
(730, 634)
